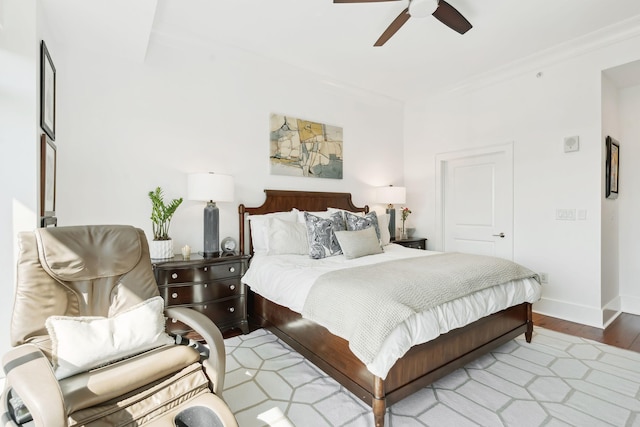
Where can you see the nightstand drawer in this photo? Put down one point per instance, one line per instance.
(199, 274)
(414, 243)
(225, 314)
(189, 293)
(226, 311)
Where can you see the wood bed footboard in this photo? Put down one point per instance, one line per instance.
(420, 366)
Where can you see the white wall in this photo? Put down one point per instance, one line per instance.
(629, 200)
(19, 142)
(126, 128)
(536, 113)
(610, 207)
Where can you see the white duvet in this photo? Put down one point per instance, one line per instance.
(286, 280)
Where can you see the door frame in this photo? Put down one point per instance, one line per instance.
(443, 158)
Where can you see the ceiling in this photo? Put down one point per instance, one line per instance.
(336, 40)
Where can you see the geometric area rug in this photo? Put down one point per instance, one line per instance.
(556, 380)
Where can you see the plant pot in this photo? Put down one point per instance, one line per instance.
(161, 249)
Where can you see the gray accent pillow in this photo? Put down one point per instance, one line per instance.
(321, 233)
(356, 222)
(356, 244)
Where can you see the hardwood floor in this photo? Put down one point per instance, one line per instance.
(624, 332)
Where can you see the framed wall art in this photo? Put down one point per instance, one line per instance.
(47, 93)
(47, 178)
(305, 148)
(612, 168)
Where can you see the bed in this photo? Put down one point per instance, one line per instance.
(421, 365)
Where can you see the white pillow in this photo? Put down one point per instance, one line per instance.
(356, 244)
(285, 237)
(82, 343)
(383, 223)
(258, 224)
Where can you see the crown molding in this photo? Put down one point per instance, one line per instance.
(596, 40)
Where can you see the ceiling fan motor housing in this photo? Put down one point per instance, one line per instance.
(422, 8)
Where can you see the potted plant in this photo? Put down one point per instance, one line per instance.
(162, 245)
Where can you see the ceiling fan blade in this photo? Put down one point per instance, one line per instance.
(393, 27)
(450, 17)
(360, 1)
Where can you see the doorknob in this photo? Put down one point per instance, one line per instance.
(501, 235)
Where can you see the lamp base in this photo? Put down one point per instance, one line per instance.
(210, 254)
(392, 222)
(211, 230)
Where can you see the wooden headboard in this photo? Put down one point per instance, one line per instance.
(283, 200)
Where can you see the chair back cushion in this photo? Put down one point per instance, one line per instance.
(94, 270)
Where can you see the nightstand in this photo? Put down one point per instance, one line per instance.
(414, 242)
(209, 285)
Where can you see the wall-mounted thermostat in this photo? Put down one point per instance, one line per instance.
(571, 143)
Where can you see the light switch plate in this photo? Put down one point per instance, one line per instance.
(566, 214)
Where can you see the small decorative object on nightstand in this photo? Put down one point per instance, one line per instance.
(228, 246)
(209, 285)
(415, 243)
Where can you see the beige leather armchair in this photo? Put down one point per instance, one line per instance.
(102, 272)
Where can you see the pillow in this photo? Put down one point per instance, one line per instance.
(383, 223)
(355, 222)
(332, 210)
(356, 244)
(258, 224)
(321, 234)
(285, 237)
(320, 214)
(82, 343)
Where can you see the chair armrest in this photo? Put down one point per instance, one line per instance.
(215, 365)
(29, 373)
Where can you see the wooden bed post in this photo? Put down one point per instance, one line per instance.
(378, 402)
(241, 219)
(529, 332)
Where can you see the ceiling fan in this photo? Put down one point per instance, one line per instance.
(440, 9)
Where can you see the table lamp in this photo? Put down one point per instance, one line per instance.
(210, 187)
(390, 195)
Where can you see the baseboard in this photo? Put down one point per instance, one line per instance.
(629, 304)
(611, 311)
(590, 316)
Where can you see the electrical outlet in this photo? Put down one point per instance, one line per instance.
(544, 277)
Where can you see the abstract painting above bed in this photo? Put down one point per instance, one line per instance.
(305, 148)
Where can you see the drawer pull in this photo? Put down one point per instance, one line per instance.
(206, 269)
(231, 309)
(174, 295)
(204, 306)
(232, 269)
(205, 285)
(232, 287)
(174, 276)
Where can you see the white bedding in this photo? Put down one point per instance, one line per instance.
(286, 280)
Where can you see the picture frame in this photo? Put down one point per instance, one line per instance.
(612, 168)
(47, 92)
(47, 178)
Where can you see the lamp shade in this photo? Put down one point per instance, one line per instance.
(210, 186)
(391, 194)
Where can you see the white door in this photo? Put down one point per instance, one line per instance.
(476, 197)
